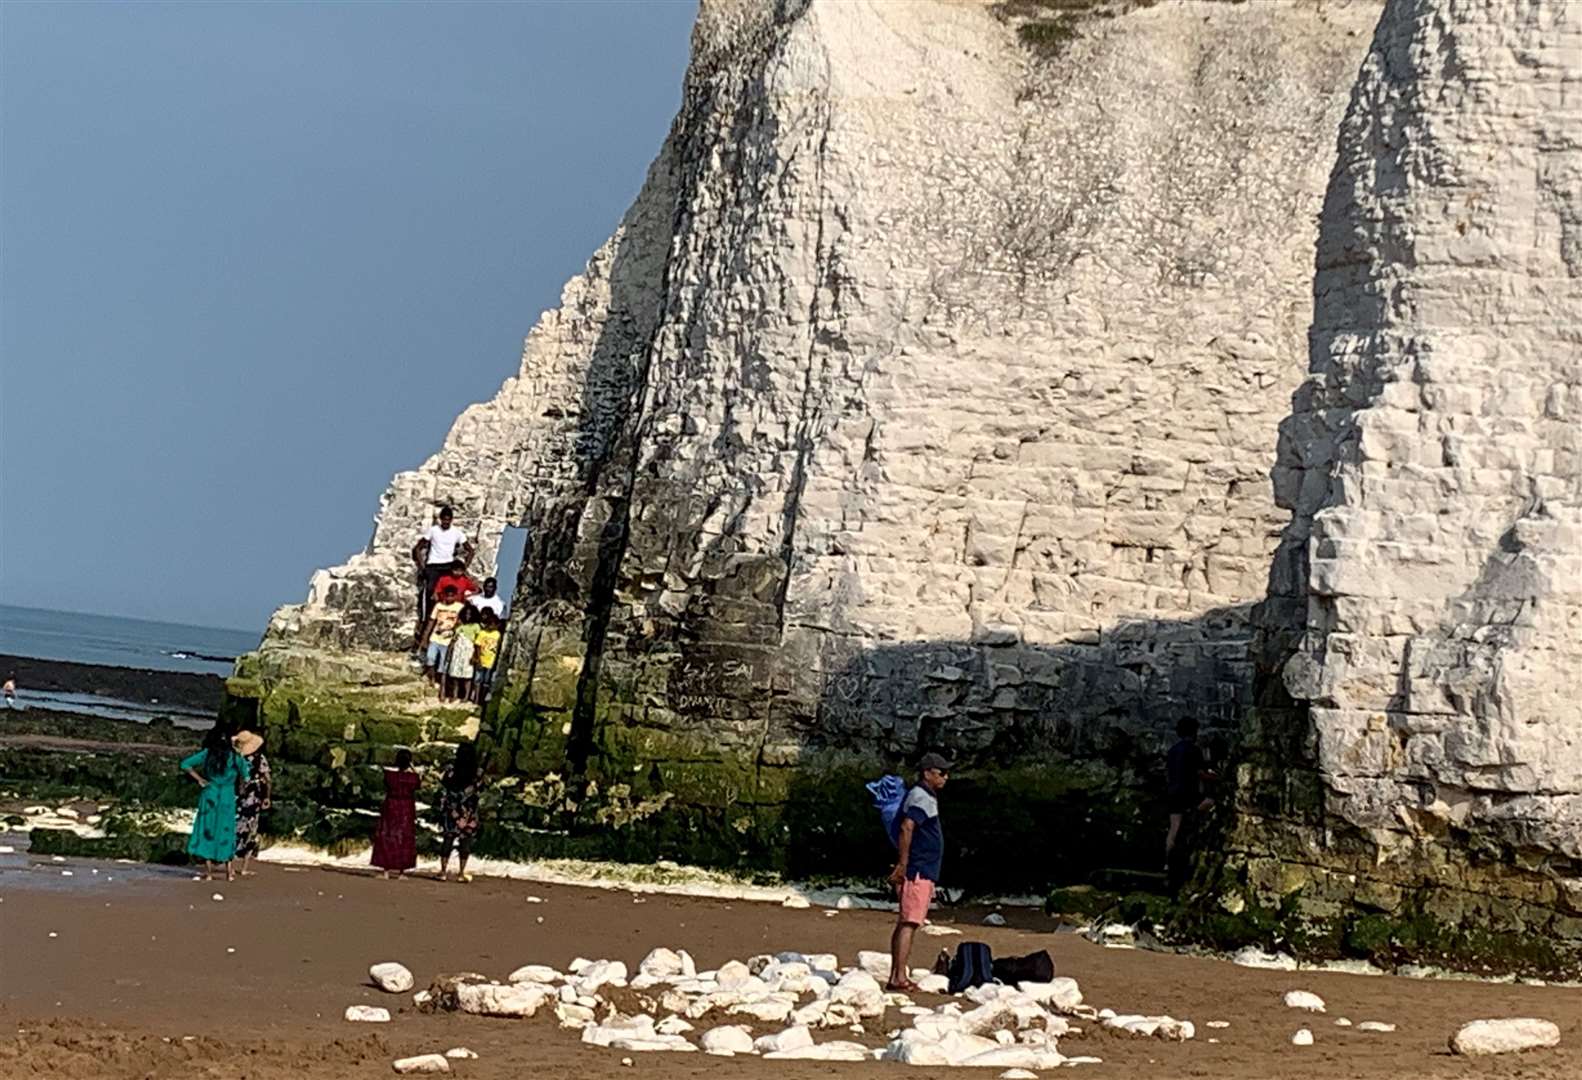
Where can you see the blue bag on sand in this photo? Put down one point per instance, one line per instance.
(973, 965)
(889, 792)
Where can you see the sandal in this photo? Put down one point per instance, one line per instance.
(906, 987)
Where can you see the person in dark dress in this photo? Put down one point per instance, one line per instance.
(458, 810)
(395, 839)
(252, 796)
(1186, 770)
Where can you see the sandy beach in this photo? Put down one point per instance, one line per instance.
(140, 980)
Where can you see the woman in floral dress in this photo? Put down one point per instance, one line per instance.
(395, 840)
(458, 810)
(252, 796)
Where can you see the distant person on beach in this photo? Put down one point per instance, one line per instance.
(395, 839)
(486, 650)
(458, 667)
(435, 553)
(218, 769)
(456, 578)
(10, 688)
(252, 797)
(487, 600)
(458, 810)
(437, 636)
(1186, 771)
(920, 851)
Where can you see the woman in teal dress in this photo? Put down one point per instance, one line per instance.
(217, 768)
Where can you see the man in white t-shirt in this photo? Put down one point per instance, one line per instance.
(438, 547)
(487, 600)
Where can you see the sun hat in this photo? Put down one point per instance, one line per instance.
(247, 742)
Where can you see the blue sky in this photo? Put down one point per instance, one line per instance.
(254, 258)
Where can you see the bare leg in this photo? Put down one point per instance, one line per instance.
(445, 844)
(230, 869)
(1170, 837)
(208, 870)
(463, 849)
(900, 952)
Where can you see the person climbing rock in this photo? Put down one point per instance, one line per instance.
(920, 851)
(456, 578)
(488, 600)
(434, 554)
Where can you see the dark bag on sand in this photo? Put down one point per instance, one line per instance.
(972, 966)
(1038, 967)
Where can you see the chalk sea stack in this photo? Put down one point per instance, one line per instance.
(929, 396)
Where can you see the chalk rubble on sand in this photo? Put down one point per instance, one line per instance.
(513, 1000)
(1018, 1074)
(994, 918)
(1481, 1037)
(1254, 957)
(1341, 1021)
(830, 1051)
(367, 1014)
(422, 1063)
(1158, 1027)
(633, 1033)
(1376, 1026)
(1226, 1023)
(391, 977)
(1302, 999)
(1303, 1037)
(795, 901)
(936, 930)
(728, 1040)
(460, 1053)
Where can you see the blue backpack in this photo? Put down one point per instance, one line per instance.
(973, 965)
(889, 792)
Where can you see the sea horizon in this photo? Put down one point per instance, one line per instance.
(121, 640)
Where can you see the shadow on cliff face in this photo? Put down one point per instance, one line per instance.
(1059, 748)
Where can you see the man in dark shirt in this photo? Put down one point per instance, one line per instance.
(921, 850)
(1185, 771)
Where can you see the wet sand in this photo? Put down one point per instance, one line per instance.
(139, 982)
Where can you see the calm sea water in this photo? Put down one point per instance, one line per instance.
(109, 639)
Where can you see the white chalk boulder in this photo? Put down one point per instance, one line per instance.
(599, 974)
(1301, 999)
(391, 977)
(727, 1041)
(367, 1014)
(461, 1053)
(1378, 1026)
(792, 1038)
(422, 1063)
(1482, 1037)
(1303, 1037)
(514, 1000)
(874, 963)
(534, 973)
(1061, 993)
(663, 964)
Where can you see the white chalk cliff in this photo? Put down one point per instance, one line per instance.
(928, 394)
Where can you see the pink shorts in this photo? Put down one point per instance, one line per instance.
(916, 894)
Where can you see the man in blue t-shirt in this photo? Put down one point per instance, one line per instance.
(916, 874)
